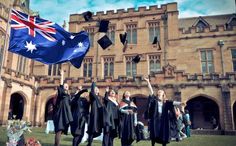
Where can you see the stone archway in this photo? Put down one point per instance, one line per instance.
(141, 103)
(234, 114)
(16, 108)
(202, 111)
(49, 110)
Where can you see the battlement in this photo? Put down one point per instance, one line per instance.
(151, 10)
(164, 80)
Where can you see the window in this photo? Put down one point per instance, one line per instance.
(22, 65)
(233, 52)
(108, 67)
(88, 67)
(111, 34)
(207, 61)
(91, 33)
(131, 67)
(154, 63)
(154, 30)
(54, 70)
(200, 26)
(132, 33)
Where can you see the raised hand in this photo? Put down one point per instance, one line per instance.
(146, 79)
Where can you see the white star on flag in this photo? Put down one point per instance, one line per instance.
(63, 42)
(30, 47)
(71, 37)
(80, 44)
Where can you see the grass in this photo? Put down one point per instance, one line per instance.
(195, 140)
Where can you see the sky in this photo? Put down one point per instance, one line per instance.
(60, 10)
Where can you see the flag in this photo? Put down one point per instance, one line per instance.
(45, 41)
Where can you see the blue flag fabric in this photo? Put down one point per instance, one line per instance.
(45, 41)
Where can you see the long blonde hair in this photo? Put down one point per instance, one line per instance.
(164, 97)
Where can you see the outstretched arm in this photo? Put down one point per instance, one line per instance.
(149, 85)
(62, 77)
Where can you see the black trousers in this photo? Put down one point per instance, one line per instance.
(107, 140)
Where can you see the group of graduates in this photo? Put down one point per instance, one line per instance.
(107, 115)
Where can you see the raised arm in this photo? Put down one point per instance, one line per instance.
(62, 77)
(149, 85)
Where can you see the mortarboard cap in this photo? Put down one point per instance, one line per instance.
(104, 42)
(103, 26)
(154, 40)
(87, 16)
(136, 59)
(123, 38)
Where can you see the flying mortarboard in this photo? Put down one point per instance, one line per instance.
(87, 16)
(155, 41)
(136, 59)
(123, 38)
(103, 26)
(104, 42)
(124, 41)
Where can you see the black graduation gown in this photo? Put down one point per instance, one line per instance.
(80, 113)
(62, 111)
(95, 123)
(127, 127)
(159, 125)
(111, 116)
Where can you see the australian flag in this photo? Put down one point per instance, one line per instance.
(45, 41)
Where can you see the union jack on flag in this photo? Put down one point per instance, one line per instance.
(45, 41)
(33, 24)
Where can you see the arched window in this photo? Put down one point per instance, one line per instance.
(154, 63)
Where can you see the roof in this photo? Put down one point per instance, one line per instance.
(211, 20)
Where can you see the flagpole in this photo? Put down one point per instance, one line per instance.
(5, 39)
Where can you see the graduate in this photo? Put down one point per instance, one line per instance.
(111, 117)
(62, 111)
(158, 115)
(128, 120)
(80, 112)
(95, 123)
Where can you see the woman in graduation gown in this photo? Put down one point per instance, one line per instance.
(80, 112)
(111, 117)
(62, 111)
(95, 122)
(128, 120)
(158, 115)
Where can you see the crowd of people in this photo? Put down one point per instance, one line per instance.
(112, 118)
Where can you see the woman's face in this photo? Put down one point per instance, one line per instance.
(160, 94)
(66, 87)
(96, 90)
(112, 93)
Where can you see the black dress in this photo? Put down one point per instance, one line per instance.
(159, 124)
(127, 123)
(62, 111)
(111, 115)
(80, 113)
(111, 120)
(95, 123)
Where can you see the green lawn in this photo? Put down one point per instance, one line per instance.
(195, 140)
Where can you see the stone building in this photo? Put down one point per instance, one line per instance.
(195, 63)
